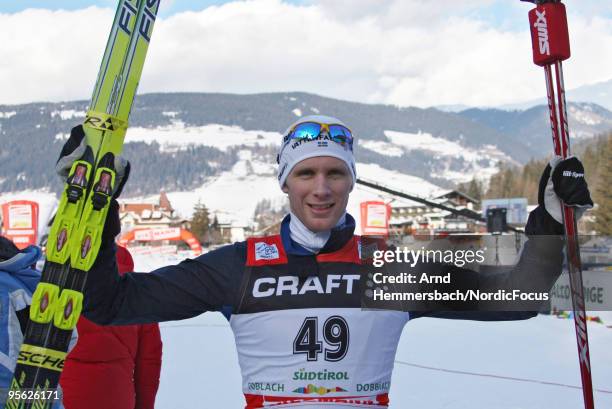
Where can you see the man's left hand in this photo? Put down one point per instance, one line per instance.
(563, 179)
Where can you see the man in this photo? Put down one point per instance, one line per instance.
(294, 300)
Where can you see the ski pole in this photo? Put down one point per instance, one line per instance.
(550, 44)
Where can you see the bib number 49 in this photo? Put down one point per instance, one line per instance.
(335, 334)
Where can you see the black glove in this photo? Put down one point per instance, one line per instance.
(562, 180)
(112, 224)
(76, 148)
(570, 186)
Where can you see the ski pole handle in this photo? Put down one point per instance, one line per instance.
(549, 34)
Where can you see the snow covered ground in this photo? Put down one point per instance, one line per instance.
(460, 365)
(442, 150)
(177, 135)
(440, 364)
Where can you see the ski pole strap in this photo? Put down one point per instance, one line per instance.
(549, 35)
(104, 122)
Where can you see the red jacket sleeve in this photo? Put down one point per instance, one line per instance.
(148, 365)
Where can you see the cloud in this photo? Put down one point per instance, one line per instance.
(404, 52)
(51, 55)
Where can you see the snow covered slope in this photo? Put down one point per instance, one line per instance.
(467, 162)
(177, 135)
(233, 195)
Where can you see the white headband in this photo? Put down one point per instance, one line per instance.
(292, 152)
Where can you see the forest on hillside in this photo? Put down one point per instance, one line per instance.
(595, 154)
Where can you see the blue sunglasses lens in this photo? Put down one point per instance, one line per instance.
(341, 134)
(307, 130)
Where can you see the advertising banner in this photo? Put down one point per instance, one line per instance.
(375, 217)
(20, 222)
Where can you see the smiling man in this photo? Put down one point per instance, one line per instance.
(294, 300)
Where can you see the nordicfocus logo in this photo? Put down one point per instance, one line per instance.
(542, 26)
(265, 251)
(290, 285)
(572, 174)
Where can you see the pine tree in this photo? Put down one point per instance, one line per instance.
(602, 194)
(474, 188)
(516, 182)
(200, 222)
(215, 232)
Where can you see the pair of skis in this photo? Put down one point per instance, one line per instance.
(76, 233)
(550, 44)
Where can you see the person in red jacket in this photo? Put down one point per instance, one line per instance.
(113, 366)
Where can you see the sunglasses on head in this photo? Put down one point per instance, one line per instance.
(312, 130)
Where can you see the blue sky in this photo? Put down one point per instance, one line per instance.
(14, 6)
(501, 13)
(498, 11)
(18, 5)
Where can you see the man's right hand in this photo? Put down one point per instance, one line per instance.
(76, 147)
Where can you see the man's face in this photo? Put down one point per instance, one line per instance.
(318, 190)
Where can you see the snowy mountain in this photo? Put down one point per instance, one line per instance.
(220, 149)
(585, 121)
(599, 93)
(179, 141)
